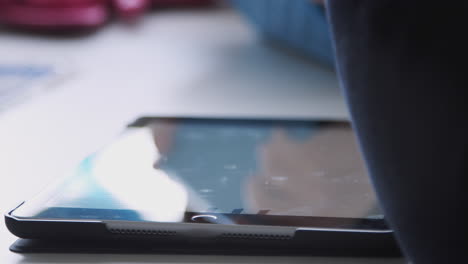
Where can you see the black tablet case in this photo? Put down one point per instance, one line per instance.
(26, 246)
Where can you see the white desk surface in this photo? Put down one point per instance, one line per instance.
(203, 62)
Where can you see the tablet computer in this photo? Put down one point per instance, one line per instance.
(281, 185)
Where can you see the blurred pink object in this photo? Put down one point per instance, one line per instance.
(66, 14)
(130, 9)
(170, 3)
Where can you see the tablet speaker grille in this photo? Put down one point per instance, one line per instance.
(247, 236)
(141, 232)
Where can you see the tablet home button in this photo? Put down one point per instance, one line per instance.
(204, 218)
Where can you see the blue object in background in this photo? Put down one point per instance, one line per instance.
(25, 71)
(21, 81)
(299, 24)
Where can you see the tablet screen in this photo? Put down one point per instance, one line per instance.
(161, 169)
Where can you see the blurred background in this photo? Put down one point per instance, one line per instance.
(204, 53)
(73, 73)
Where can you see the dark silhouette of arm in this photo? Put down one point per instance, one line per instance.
(402, 65)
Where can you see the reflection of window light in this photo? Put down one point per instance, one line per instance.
(224, 180)
(125, 169)
(279, 178)
(73, 192)
(230, 167)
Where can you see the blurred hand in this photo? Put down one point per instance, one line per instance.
(323, 176)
